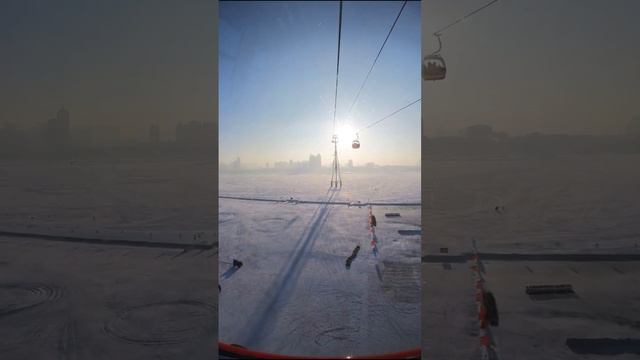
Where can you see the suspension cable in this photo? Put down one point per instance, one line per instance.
(335, 100)
(446, 27)
(376, 59)
(388, 116)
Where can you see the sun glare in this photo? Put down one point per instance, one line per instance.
(346, 133)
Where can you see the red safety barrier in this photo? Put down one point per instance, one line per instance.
(485, 341)
(482, 314)
(244, 353)
(482, 317)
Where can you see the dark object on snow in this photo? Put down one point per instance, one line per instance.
(219, 288)
(353, 256)
(492, 308)
(549, 289)
(603, 346)
(237, 263)
(410, 232)
(392, 214)
(551, 292)
(355, 251)
(372, 220)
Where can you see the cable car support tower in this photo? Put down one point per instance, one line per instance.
(336, 180)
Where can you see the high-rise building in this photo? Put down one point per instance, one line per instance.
(315, 161)
(57, 129)
(235, 164)
(63, 116)
(154, 133)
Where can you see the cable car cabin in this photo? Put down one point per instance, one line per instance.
(356, 142)
(435, 68)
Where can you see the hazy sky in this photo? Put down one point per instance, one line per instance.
(521, 66)
(547, 65)
(277, 80)
(121, 62)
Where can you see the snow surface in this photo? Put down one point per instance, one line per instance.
(86, 301)
(563, 205)
(82, 292)
(605, 306)
(294, 294)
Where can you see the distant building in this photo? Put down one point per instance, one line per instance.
(315, 161)
(479, 131)
(56, 131)
(63, 115)
(235, 164)
(281, 165)
(196, 134)
(154, 133)
(350, 163)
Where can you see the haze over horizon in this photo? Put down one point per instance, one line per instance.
(553, 67)
(126, 64)
(534, 66)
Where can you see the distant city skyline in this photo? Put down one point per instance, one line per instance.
(121, 64)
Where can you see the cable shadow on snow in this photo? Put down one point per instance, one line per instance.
(262, 320)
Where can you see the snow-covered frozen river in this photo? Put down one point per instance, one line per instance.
(294, 294)
(86, 300)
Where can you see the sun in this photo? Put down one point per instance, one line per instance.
(346, 133)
